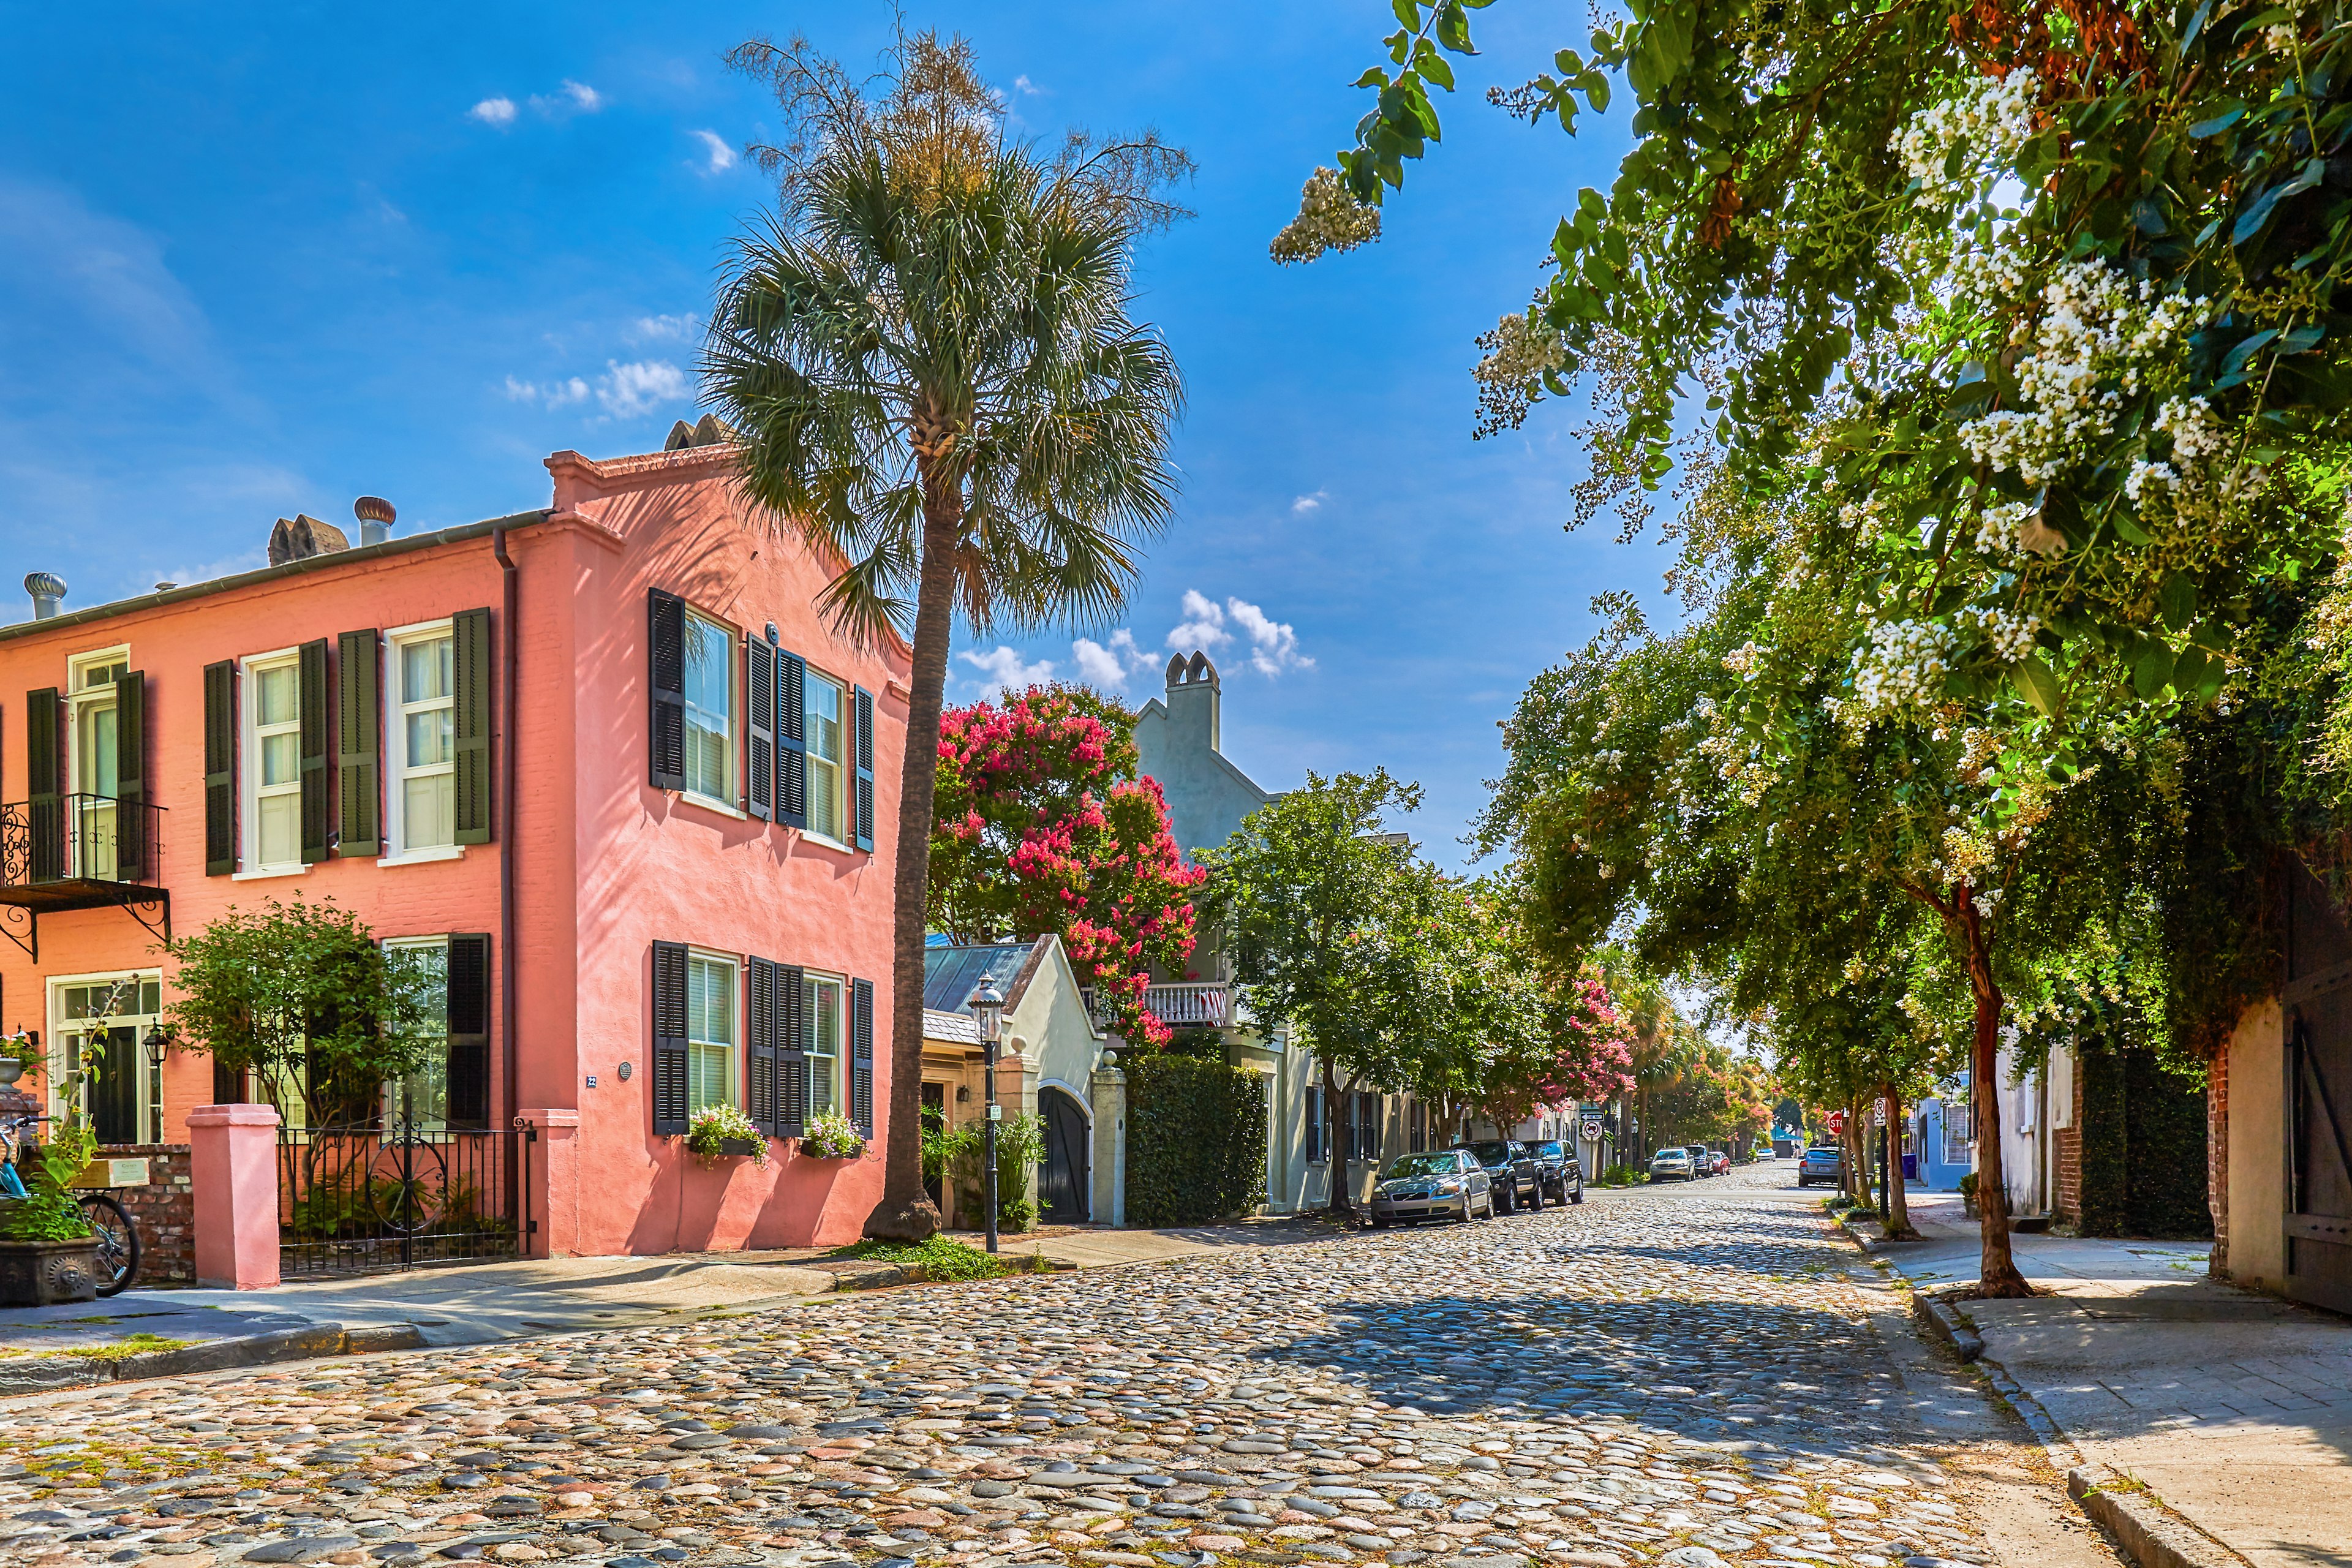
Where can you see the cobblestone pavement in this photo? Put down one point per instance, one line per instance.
(1686, 1381)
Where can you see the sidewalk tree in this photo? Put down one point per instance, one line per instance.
(1335, 933)
(302, 995)
(929, 358)
(1041, 824)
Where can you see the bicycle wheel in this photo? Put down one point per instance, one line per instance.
(118, 1242)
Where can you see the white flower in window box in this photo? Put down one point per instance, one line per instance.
(715, 1131)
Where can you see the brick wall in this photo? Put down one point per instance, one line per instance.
(164, 1211)
(2216, 1156)
(2069, 1206)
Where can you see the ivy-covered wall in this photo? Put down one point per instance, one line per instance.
(1195, 1140)
(2143, 1131)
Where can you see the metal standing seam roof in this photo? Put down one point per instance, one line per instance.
(950, 975)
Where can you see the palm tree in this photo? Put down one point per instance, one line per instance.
(929, 360)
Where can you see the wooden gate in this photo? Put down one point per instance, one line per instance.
(1062, 1178)
(2318, 1063)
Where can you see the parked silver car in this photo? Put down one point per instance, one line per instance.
(1446, 1184)
(1671, 1163)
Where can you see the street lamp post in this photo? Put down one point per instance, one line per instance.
(988, 1003)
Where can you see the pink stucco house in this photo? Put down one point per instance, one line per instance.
(603, 768)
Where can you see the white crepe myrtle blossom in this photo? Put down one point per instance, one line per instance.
(1519, 349)
(2010, 637)
(1330, 218)
(1998, 528)
(2147, 481)
(1988, 121)
(1903, 666)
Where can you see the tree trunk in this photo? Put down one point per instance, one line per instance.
(1898, 1211)
(906, 1211)
(1998, 1274)
(1335, 1158)
(1857, 1163)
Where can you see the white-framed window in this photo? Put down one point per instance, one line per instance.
(422, 802)
(709, 711)
(273, 764)
(1957, 1138)
(825, 706)
(423, 1097)
(711, 1034)
(825, 1033)
(100, 1023)
(93, 764)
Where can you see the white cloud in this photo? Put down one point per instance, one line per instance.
(577, 98)
(498, 112)
(586, 98)
(1109, 665)
(1003, 669)
(639, 388)
(664, 328)
(1204, 625)
(717, 156)
(1027, 88)
(1274, 645)
(553, 393)
(1301, 506)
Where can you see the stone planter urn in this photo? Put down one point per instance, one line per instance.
(49, 1273)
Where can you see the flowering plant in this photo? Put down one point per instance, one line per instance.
(711, 1129)
(830, 1135)
(1043, 826)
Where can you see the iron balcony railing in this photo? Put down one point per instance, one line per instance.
(67, 838)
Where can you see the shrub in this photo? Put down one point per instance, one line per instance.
(713, 1127)
(936, 1257)
(1020, 1145)
(1196, 1140)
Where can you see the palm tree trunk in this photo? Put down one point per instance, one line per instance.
(906, 1211)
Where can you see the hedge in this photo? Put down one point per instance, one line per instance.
(1195, 1140)
(2143, 1132)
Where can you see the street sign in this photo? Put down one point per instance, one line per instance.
(1593, 1131)
(1837, 1124)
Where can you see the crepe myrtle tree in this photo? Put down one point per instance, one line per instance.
(930, 356)
(2044, 302)
(1041, 824)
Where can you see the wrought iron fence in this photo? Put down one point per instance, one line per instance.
(367, 1198)
(80, 837)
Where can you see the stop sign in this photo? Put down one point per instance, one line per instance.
(1837, 1124)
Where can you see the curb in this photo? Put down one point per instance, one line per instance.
(48, 1374)
(2135, 1517)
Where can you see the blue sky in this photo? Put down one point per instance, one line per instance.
(260, 260)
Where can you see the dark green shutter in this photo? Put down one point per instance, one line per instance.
(792, 1050)
(865, 804)
(132, 850)
(791, 741)
(359, 690)
(469, 676)
(861, 1056)
(760, 1044)
(316, 806)
(760, 686)
(220, 772)
(44, 793)
(669, 1040)
(469, 1000)
(666, 683)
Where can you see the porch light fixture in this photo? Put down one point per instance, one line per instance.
(987, 1004)
(159, 1040)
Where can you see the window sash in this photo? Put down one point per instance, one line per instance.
(709, 711)
(711, 1030)
(274, 745)
(823, 706)
(825, 1043)
(424, 1093)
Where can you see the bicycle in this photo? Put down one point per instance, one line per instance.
(117, 1238)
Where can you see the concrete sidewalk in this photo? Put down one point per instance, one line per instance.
(2232, 1408)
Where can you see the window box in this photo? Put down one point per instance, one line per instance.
(745, 1147)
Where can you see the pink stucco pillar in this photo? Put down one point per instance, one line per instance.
(552, 1198)
(233, 1177)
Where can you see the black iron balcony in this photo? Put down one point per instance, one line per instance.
(80, 852)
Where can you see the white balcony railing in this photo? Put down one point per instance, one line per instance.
(1191, 1006)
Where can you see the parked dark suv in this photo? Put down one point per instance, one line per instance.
(1559, 1172)
(1511, 1166)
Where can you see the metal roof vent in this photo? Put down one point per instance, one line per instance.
(48, 591)
(376, 518)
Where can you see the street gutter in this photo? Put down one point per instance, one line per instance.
(2155, 1535)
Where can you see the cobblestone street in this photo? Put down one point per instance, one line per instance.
(1677, 1376)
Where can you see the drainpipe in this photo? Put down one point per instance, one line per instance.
(506, 788)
